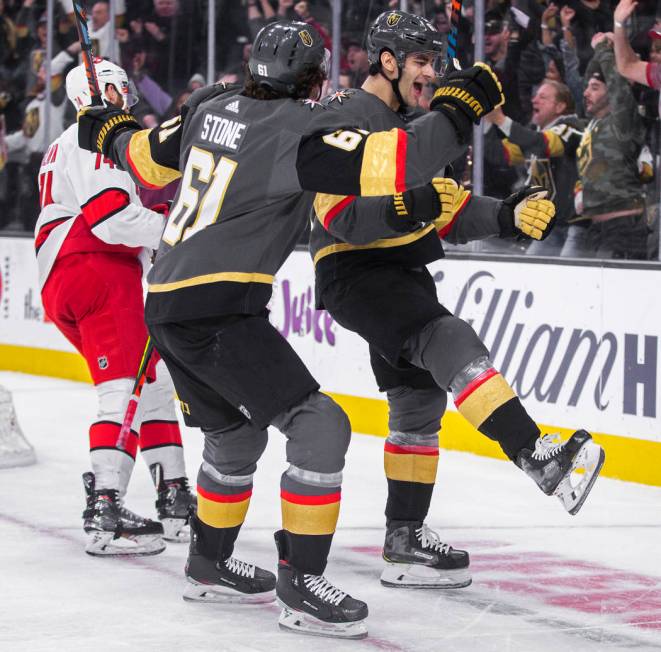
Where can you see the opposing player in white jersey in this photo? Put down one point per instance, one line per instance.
(92, 239)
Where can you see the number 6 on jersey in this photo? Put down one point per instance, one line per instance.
(219, 176)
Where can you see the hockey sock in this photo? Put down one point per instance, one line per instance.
(214, 543)
(487, 401)
(112, 466)
(222, 508)
(160, 442)
(410, 462)
(310, 504)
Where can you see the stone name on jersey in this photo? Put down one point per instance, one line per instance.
(223, 132)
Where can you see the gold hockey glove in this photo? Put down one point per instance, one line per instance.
(98, 126)
(527, 213)
(453, 198)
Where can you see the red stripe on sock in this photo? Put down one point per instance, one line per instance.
(474, 384)
(224, 498)
(159, 433)
(104, 434)
(299, 499)
(410, 450)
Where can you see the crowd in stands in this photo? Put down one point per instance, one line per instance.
(575, 120)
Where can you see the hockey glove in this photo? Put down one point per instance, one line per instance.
(453, 198)
(527, 213)
(409, 209)
(98, 126)
(466, 96)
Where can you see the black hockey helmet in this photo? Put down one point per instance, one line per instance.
(281, 51)
(402, 33)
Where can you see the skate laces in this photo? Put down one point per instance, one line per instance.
(239, 567)
(323, 589)
(180, 484)
(547, 447)
(429, 539)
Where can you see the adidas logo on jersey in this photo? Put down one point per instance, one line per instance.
(233, 106)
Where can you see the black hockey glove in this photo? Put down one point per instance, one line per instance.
(98, 126)
(409, 209)
(527, 214)
(466, 96)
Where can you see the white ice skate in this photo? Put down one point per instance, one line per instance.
(111, 529)
(416, 558)
(304, 623)
(567, 470)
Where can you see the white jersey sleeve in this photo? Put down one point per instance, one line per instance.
(106, 196)
(78, 185)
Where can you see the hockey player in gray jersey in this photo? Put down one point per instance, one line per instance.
(370, 256)
(245, 159)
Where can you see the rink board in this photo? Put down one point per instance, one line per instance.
(579, 344)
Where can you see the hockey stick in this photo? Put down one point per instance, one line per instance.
(88, 54)
(132, 406)
(451, 59)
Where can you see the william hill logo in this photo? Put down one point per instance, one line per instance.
(306, 38)
(393, 19)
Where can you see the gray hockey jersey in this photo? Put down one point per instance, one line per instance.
(245, 167)
(351, 233)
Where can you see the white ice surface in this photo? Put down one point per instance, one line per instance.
(542, 580)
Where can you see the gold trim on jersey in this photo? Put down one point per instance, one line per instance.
(325, 203)
(235, 277)
(384, 243)
(378, 174)
(554, 144)
(513, 152)
(149, 171)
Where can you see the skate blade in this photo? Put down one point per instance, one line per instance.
(588, 462)
(104, 544)
(417, 576)
(198, 592)
(176, 530)
(302, 623)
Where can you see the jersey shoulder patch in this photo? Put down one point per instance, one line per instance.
(339, 97)
(311, 104)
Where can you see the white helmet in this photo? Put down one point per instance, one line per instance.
(107, 73)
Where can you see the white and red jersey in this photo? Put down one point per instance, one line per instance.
(88, 205)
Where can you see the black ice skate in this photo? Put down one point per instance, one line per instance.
(416, 558)
(552, 463)
(174, 504)
(230, 580)
(312, 605)
(112, 529)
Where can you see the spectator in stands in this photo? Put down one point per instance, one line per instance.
(102, 32)
(591, 17)
(549, 151)
(628, 63)
(358, 64)
(610, 191)
(171, 36)
(27, 145)
(571, 64)
(506, 63)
